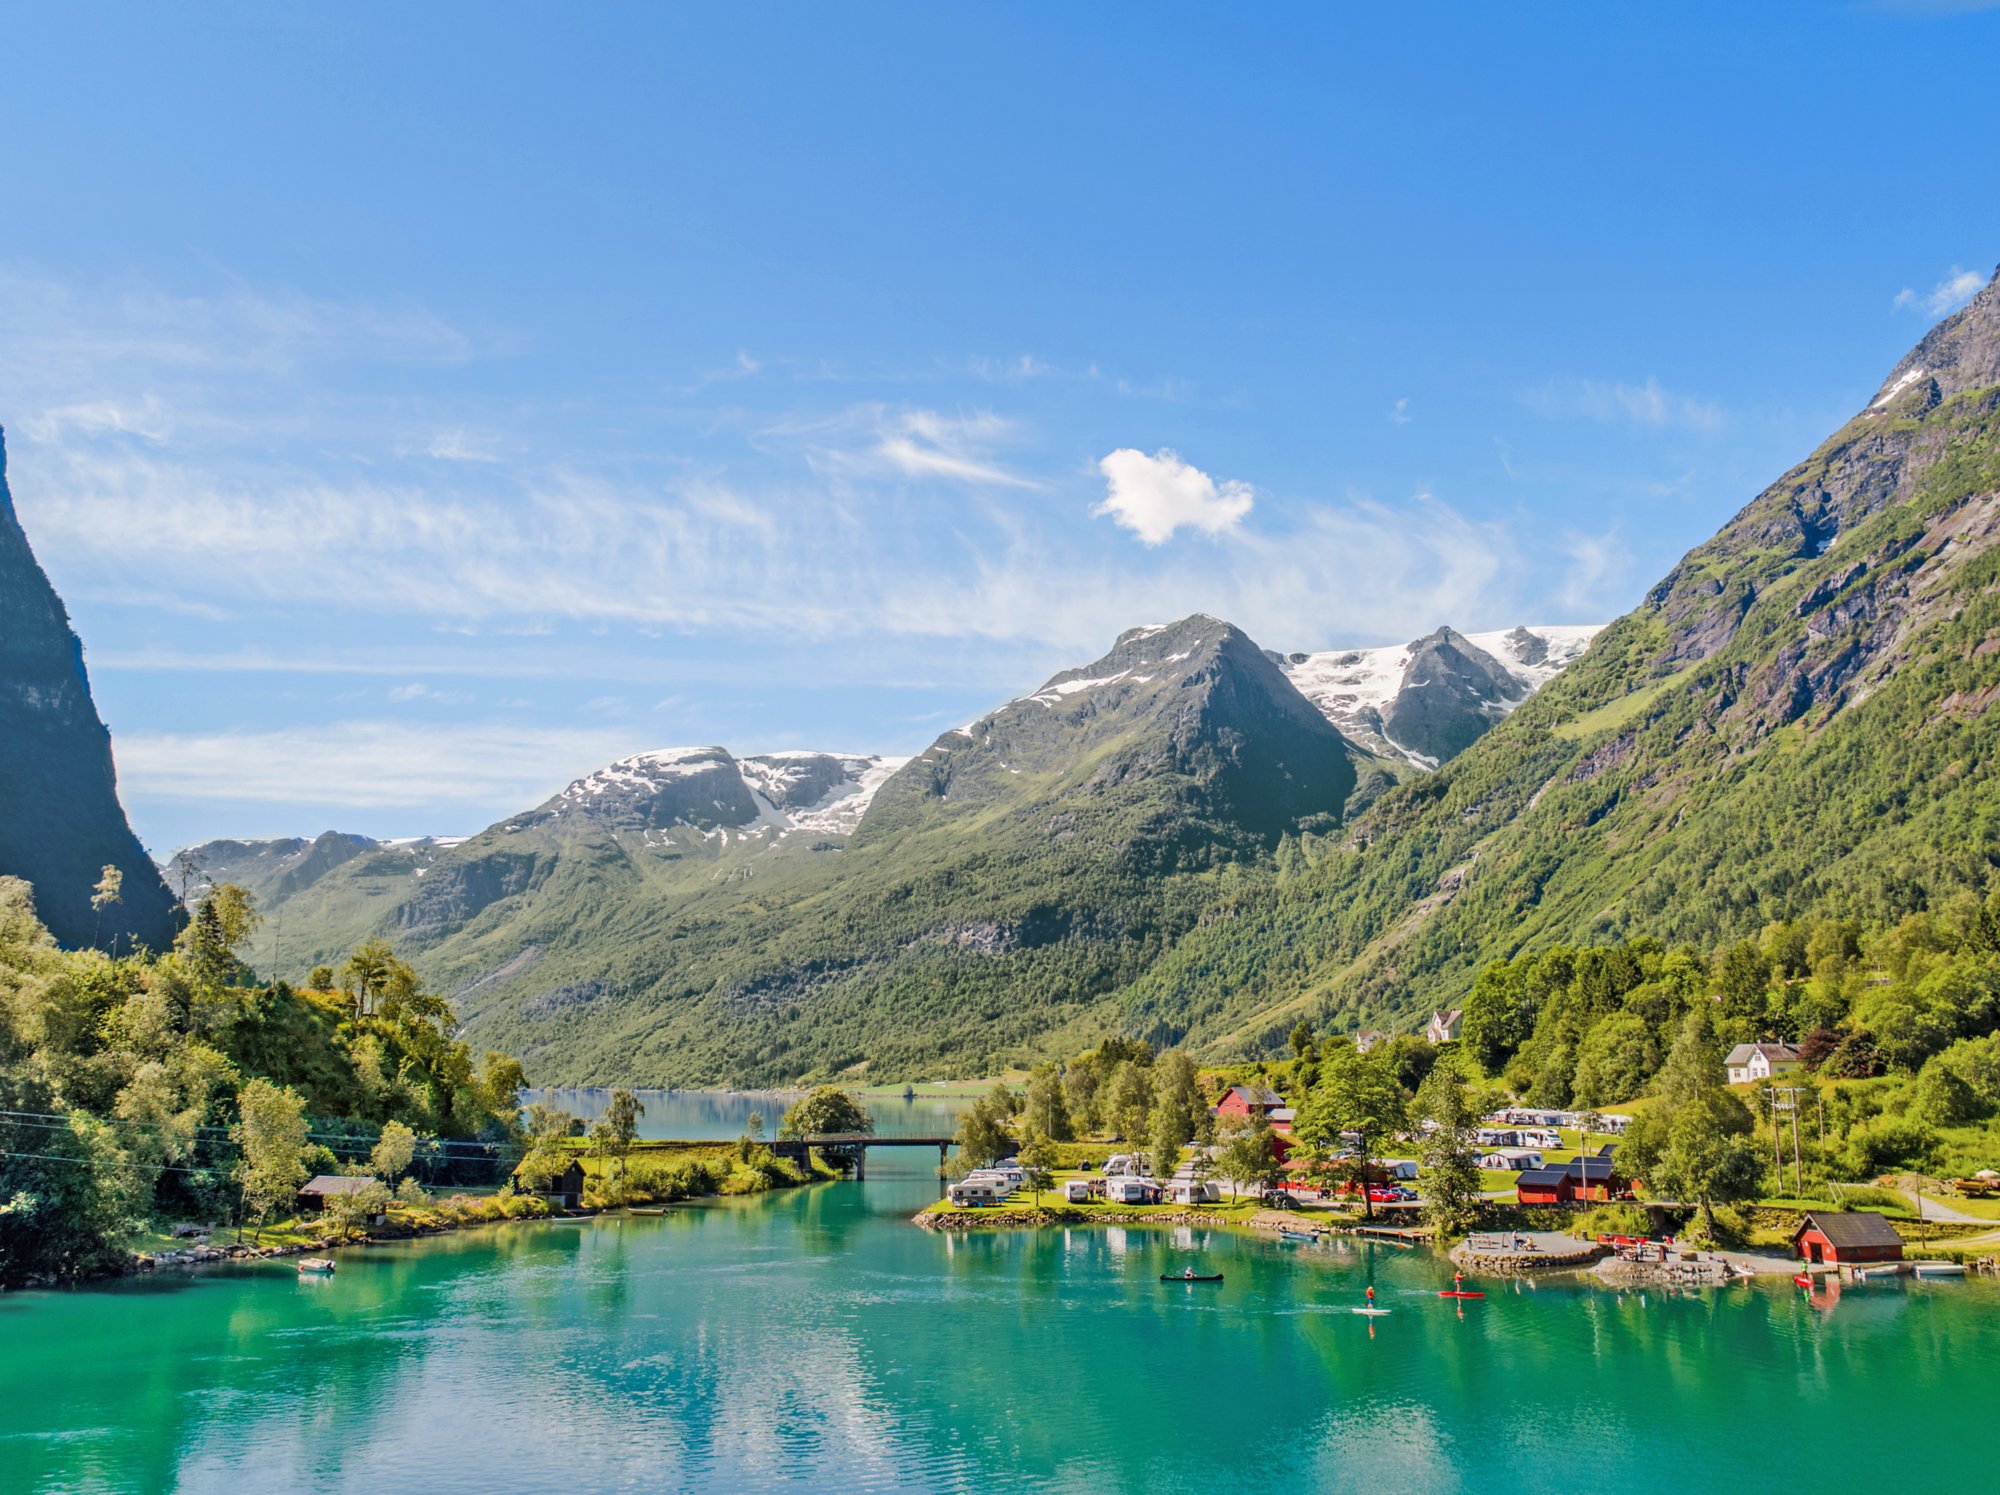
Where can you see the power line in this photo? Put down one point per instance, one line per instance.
(344, 1138)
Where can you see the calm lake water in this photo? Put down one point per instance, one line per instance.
(814, 1340)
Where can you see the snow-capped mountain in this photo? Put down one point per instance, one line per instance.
(1428, 699)
(712, 791)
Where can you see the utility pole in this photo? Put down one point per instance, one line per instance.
(1777, 1142)
(1798, 1188)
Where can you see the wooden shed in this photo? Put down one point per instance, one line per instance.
(1846, 1237)
(313, 1197)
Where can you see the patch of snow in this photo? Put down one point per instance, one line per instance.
(1353, 688)
(1061, 688)
(1565, 644)
(1903, 381)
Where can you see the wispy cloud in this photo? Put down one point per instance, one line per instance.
(1616, 402)
(476, 769)
(417, 690)
(1157, 495)
(1948, 295)
(874, 440)
(1399, 413)
(66, 325)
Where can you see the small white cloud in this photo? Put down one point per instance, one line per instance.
(457, 446)
(416, 690)
(1614, 402)
(1400, 414)
(1948, 295)
(1154, 496)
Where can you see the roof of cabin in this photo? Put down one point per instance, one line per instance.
(1851, 1228)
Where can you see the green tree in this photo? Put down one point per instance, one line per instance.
(347, 1216)
(1356, 1094)
(1694, 1143)
(753, 1126)
(366, 972)
(1450, 1177)
(1129, 1101)
(320, 979)
(1046, 1111)
(1166, 1141)
(270, 1135)
(828, 1111)
(1248, 1156)
(622, 1118)
(1038, 1164)
(110, 890)
(393, 1153)
(982, 1136)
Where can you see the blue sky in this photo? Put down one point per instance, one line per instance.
(418, 406)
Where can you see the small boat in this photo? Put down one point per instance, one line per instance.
(1868, 1273)
(646, 1212)
(1190, 1277)
(315, 1266)
(1459, 1292)
(1306, 1236)
(1803, 1280)
(1939, 1269)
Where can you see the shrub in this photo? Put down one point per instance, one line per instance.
(1619, 1219)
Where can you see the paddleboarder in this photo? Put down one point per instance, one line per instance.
(1371, 1295)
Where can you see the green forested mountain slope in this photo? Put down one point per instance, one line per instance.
(659, 921)
(1797, 720)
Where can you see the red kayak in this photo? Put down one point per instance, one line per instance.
(1450, 1293)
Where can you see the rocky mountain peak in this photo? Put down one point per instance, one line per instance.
(1962, 352)
(62, 823)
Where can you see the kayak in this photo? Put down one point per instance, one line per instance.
(1450, 1293)
(1183, 1277)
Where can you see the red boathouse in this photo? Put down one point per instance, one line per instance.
(1846, 1238)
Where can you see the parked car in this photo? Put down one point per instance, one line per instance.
(1277, 1199)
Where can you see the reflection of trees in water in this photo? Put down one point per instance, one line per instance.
(807, 1335)
(694, 1115)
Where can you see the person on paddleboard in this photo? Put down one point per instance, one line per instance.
(1458, 1282)
(1371, 1295)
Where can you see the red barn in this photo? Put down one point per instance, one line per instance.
(1249, 1100)
(1242, 1101)
(1544, 1186)
(1845, 1238)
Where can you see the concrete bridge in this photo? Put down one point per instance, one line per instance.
(853, 1147)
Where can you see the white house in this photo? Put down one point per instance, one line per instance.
(1750, 1062)
(1445, 1025)
(1367, 1038)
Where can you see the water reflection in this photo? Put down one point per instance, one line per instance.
(813, 1339)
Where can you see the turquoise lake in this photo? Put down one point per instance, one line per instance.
(815, 1340)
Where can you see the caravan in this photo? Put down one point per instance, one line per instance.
(1130, 1189)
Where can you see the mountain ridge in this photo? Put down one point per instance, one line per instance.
(63, 822)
